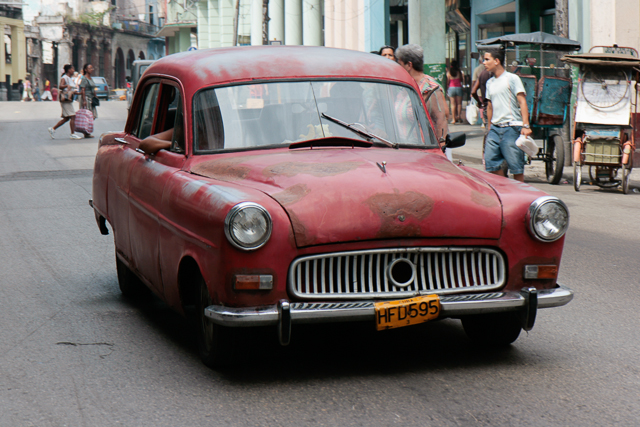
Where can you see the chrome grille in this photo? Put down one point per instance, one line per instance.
(366, 274)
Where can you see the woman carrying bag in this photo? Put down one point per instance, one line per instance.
(88, 101)
(67, 90)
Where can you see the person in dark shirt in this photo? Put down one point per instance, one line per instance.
(481, 85)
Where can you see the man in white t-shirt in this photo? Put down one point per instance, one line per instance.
(508, 117)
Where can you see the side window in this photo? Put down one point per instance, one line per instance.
(170, 116)
(145, 124)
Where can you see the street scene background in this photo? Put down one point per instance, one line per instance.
(74, 352)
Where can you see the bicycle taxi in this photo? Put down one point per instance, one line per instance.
(606, 116)
(535, 58)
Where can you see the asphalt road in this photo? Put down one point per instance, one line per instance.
(73, 352)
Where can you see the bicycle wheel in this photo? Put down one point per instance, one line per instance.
(554, 159)
(624, 172)
(577, 175)
(604, 89)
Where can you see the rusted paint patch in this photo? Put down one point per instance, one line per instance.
(299, 230)
(389, 207)
(486, 200)
(223, 169)
(316, 169)
(292, 194)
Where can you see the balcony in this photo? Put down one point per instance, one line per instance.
(11, 9)
(134, 25)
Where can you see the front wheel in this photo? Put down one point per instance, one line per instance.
(130, 285)
(215, 343)
(577, 175)
(554, 159)
(494, 330)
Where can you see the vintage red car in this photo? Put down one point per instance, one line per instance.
(305, 184)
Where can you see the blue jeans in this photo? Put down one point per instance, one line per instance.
(500, 146)
(454, 91)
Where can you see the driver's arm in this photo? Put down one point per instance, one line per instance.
(154, 143)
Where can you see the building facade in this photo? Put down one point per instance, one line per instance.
(13, 54)
(110, 35)
(364, 25)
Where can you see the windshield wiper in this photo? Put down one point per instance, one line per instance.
(363, 133)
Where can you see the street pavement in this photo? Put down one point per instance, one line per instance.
(73, 352)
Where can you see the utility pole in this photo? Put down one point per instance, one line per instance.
(236, 17)
(562, 18)
(265, 21)
(562, 30)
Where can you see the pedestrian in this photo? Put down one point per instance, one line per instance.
(54, 92)
(88, 99)
(508, 117)
(36, 90)
(20, 88)
(27, 96)
(46, 95)
(78, 79)
(474, 79)
(411, 58)
(388, 52)
(454, 91)
(479, 69)
(67, 90)
(479, 90)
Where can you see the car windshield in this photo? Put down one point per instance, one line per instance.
(256, 115)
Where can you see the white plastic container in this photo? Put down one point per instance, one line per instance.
(528, 145)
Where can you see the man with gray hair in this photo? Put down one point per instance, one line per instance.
(411, 58)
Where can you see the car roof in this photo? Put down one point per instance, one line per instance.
(199, 68)
(98, 78)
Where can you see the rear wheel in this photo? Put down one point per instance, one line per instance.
(577, 175)
(130, 285)
(494, 330)
(554, 159)
(215, 343)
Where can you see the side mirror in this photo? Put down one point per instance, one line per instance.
(455, 140)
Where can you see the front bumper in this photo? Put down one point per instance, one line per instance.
(451, 306)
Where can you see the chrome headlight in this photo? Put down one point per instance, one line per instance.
(548, 218)
(248, 226)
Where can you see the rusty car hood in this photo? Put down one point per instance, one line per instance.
(343, 195)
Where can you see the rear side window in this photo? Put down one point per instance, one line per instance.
(147, 114)
(170, 116)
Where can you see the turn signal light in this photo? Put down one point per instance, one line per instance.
(540, 271)
(254, 282)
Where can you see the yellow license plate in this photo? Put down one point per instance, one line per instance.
(396, 314)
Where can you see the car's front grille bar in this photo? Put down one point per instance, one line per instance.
(366, 274)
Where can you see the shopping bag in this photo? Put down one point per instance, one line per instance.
(472, 113)
(84, 121)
